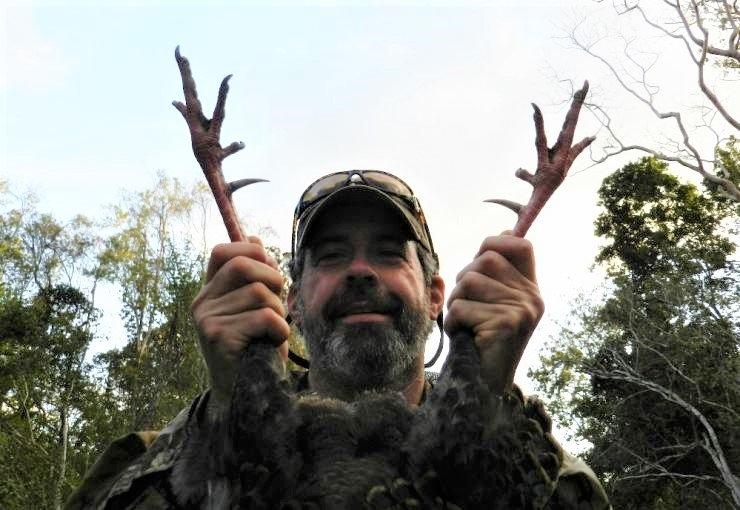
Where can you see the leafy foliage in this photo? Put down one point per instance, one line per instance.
(650, 374)
(45, 331)
(60, 405)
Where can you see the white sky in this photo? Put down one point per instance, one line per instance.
(438, 93)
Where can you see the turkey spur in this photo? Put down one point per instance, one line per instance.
(462, 448)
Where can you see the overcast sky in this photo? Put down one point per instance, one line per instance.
(437, 92)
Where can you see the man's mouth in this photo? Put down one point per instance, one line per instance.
(364, 312)
(357, 317)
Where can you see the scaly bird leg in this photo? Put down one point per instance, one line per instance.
(552, 164)
(205, 134)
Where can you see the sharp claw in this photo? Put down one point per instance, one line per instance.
(580, 95)
(177, 52)
(509, 204)
(235, 185)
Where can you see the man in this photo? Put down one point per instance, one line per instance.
(365, 295)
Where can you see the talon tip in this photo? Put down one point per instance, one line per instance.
(513, 206)
(177, 52)
(235, 185)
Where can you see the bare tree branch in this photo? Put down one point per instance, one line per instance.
(645, 93)
(626, 373)
(702, 60)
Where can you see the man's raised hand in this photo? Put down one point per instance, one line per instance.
(239, 303)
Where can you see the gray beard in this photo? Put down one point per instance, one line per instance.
(353, 358)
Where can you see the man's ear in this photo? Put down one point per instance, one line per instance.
(436, 296)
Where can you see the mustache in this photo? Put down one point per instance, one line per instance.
(361, 297)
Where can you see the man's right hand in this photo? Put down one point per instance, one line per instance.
(239, 303)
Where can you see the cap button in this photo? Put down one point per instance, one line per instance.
(355, 178)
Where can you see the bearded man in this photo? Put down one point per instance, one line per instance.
(365, 296)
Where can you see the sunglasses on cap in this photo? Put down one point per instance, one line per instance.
(388, 184)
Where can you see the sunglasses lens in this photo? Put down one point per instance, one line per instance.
(323, 187)
(387, 182)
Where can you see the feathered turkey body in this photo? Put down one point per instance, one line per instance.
(462, 448)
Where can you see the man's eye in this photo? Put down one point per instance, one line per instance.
(329, 256)
(392, 253)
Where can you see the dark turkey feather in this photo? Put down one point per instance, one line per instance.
(462, 448)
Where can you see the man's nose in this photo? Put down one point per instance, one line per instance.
(361, 269)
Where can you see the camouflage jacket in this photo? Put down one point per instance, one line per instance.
(133, 473)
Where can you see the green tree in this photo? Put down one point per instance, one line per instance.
(148, 387)
(154, 263)
(650, 374)
(47, 323)
(57, 410)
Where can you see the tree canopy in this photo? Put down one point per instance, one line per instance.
(65, 392)
(649, 375)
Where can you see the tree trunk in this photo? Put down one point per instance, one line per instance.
(63, 415)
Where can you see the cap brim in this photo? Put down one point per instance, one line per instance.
(344, 195)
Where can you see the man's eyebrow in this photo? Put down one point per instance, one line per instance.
(325, 239)
(395, 238)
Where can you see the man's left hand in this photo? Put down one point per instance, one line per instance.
(497, 299)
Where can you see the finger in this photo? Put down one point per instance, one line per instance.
(248, 297)
(240, 271)
(517, 251)
(571, 119)
(270, 261)
(232, 333)
(493, 320)
(255, 240)
(219, 111)
(222, 253)
(480, 318)
(540, 140)
(479, 287)
(193, 110)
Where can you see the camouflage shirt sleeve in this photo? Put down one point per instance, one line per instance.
(577, 484)
(132, 472)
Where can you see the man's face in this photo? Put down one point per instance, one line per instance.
(362, 304)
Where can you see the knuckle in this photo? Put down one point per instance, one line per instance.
(266, 316)
(196, 304)
(470, 282)
(260, 292)
(219, 252)
(487, 243)
(242, 265)
(525, 247)
(536, 307)
(212, 331)
(490, 260)
(455, 309)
